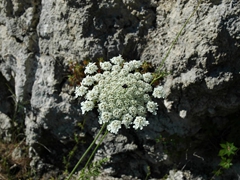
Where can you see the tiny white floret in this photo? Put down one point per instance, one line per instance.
(87, 106)
(106, 66)
(117, 60)
(88, 81)
(105, 117)
(80, 91)
(147, 77)
(114, 126)
(158, 92)
(139, 122)
(152, 107)
(91, 68)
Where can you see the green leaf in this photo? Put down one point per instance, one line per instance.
(222, 153)
(226, 163)
(217, 172)
(227, 149)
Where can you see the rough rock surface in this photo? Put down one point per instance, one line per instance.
(38, 38)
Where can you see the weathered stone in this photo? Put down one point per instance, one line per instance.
(38, 38)
(17, 153)
(5, 125)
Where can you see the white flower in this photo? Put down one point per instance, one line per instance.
(106, 74)
(80, 91)
(119, 103)
(91, 68)
(135, 64)
(152, 107)
(148, 88)
(106, 66)
(127, 102)
(111, 106)
(138, 93)
(92, 95)
(87, 106)
(116, 68)
(114, 126)
(141, 111)
(117, 60)
(133, 110)
(117, 113)
(146, 98)
(131, 76)
(147, 77)
(128, 66)
(88, 81)
(138, 75)
(173, 175)
(139, 122)
(127, 120)
(97, 77)
(120, 93)
(158, 92)
(105, 117)
(124, 110)
(102, 106)
(123, 72)
(134, 102)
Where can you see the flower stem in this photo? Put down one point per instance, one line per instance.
(85, 153)
(174, 42)
(100, 142)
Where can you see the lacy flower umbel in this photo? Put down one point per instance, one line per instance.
(121, 93)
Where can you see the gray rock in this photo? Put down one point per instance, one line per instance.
(5, 125)
(200, 58)
(6, 97)
(39, 38)
(17, 154)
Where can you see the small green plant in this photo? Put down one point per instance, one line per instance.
(226, 153)
(76, 71)
(148, 172)
(10, 167)
(94, 169)
(66, 160)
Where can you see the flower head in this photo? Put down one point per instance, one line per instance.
(127, 120)
(87, 106)
(88, 81)
(80, 91)
(91, 68)
(147, 77)
(139, 122)
(117, 60)
(114, 126)
(152, 107)
(105, 117)
(92, 95)
(121, 94)
(106, 66)
(158, 92)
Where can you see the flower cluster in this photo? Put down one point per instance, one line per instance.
(121, 93)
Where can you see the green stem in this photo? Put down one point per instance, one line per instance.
(85, 153)
(174, 41)
(100, 142)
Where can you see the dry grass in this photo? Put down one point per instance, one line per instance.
(14, 167)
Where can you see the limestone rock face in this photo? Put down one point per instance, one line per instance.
(38, 38)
